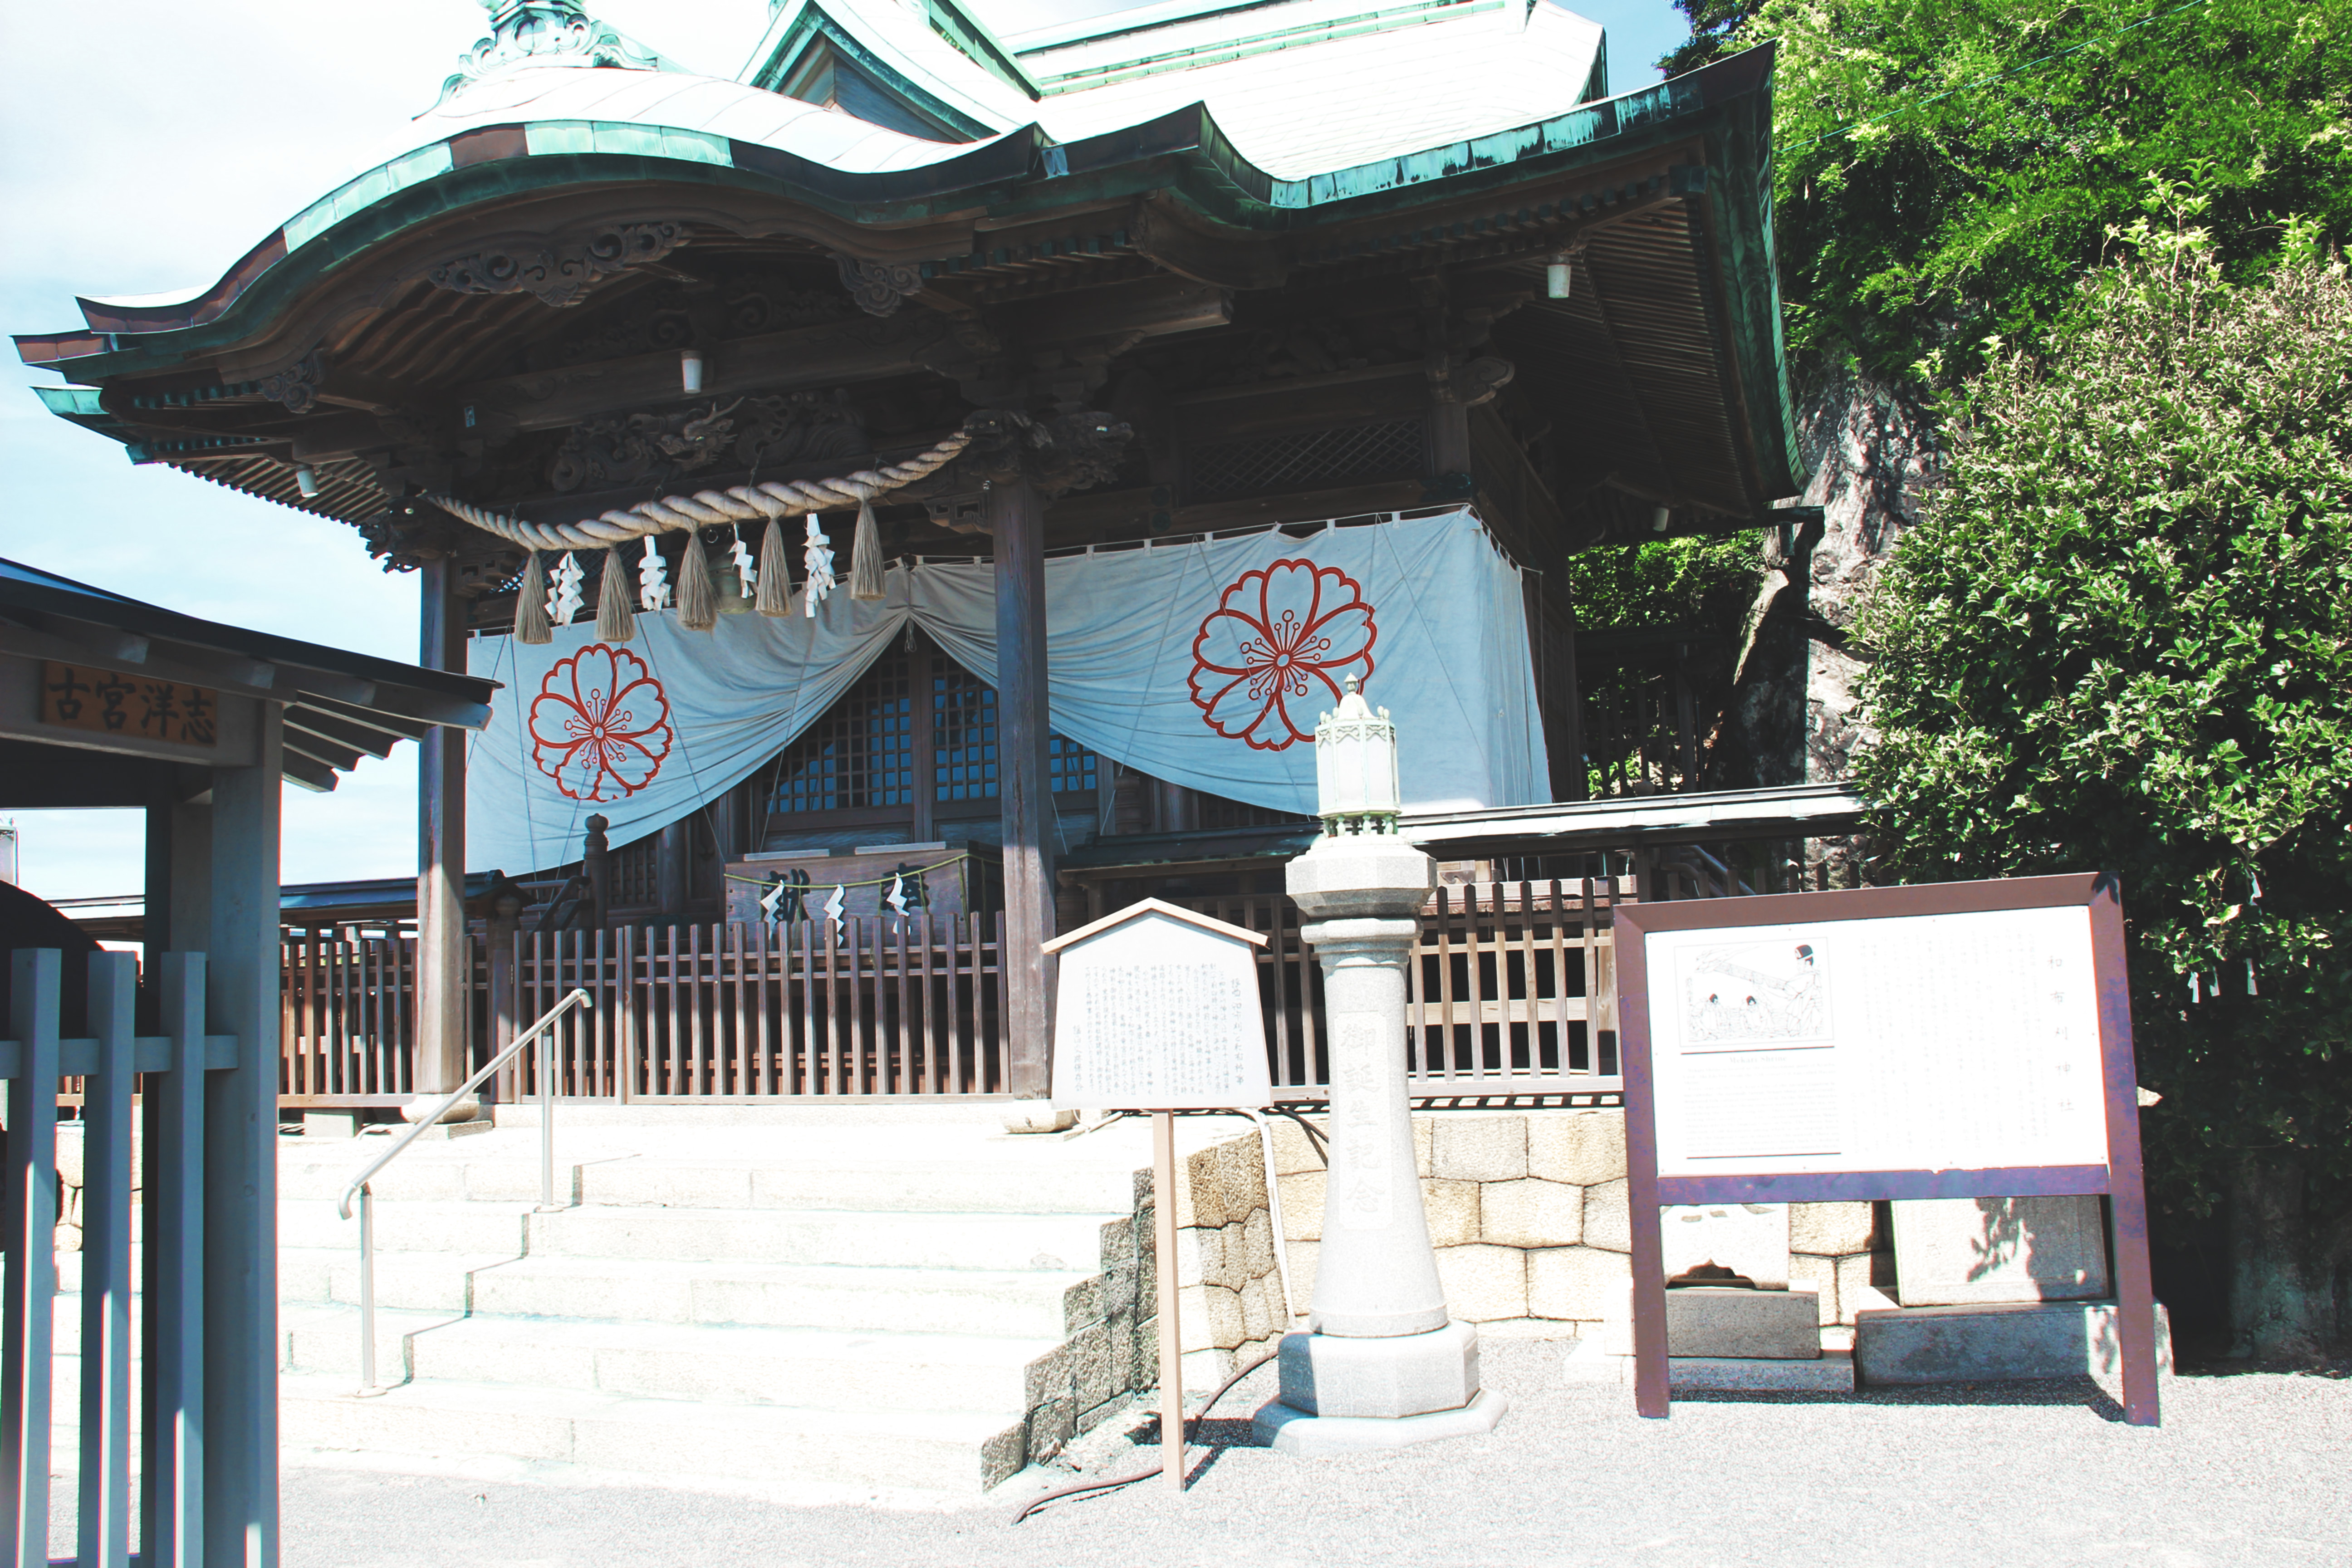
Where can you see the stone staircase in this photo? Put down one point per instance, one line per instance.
(917, 1302)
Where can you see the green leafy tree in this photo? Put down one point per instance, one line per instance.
(1714, 25)
(1947, 170)
(2121, 640)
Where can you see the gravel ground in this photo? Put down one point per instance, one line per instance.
(2251, 1468)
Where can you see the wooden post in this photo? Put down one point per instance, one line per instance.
(240, 1146)
(441, 955)
(596, 865)
(672, 848)
(1016, 518)
(30, 1171)
(1163, 1263)
(506, 902)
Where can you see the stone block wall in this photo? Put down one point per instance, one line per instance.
(1229, 1305)
(69, 1185)
(1527, 1212)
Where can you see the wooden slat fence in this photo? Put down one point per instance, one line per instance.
(1512, 990)
(349, 1016)
(705, 1013)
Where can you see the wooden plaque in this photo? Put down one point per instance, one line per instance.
(1963, 1040)
(1157, 1009)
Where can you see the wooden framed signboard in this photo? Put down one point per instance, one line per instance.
(1952, 1040)
(1156, 1009)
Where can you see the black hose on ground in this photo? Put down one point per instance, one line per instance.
(1188, 1428)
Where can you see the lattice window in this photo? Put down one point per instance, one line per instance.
(1390, 451)
(963, 742)
(1069, 767)
(861, 753)
(635, 870)
(964, 735)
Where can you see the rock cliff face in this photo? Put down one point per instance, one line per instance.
(1795, 710)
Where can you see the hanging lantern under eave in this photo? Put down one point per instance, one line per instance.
(1356, 768)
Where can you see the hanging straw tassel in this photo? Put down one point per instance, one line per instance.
(531, 623)
(866, 557)
(698, 597)
(615, 620)
(775, 594)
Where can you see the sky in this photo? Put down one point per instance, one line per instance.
(155, 161)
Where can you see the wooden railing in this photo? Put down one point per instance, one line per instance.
(1511, 992)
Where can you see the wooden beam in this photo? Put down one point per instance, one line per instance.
(1015, 517)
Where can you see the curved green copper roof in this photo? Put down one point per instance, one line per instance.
(800, 152)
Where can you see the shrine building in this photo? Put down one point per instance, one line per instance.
(920, 492)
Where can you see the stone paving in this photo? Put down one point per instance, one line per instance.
(2248, 1470)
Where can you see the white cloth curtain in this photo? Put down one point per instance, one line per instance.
(1205, 663)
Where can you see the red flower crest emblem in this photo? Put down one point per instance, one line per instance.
(1275, 649)
(600, 725)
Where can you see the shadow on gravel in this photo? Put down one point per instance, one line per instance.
(2077, 1391)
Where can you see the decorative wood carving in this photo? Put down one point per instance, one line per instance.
(1066, 452)
(781, 429)
(1470, 383)
(878, 287)
(297, 386)
(560, 274)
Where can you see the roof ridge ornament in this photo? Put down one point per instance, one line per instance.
(533, 33)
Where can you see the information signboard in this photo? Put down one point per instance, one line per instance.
(1156, 1009)
(1964, 1039)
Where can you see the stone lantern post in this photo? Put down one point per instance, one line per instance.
(1382, 1365)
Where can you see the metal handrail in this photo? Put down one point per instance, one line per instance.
(359, 1183)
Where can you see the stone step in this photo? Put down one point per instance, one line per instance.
(406, 1225)
(434, 1173)
(884, 1239)
(456, 1173)
(936, 1188)
(1007, 1302)
(810, 1368)
(1997, 1342)
(404, 1281)
(939, 1451)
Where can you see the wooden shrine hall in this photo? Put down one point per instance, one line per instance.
(934, 473)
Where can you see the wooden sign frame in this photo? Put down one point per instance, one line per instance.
(2119, 1179)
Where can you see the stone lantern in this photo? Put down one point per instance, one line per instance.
(1380, 1366)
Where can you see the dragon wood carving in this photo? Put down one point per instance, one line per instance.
(778, 430)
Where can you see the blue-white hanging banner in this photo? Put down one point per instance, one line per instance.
(1205, 663)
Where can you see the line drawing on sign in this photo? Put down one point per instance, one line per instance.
(1769, 993)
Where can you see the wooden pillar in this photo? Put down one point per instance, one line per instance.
(1449, 438)
(505, 904)
(596, 865)
(441, 955)
(240, 1290)
(1015, 516)
(179, 872)
(673, 852)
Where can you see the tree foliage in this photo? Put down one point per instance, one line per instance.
(2121, 640)
(1947, 170)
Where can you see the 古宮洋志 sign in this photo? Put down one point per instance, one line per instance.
(106, 703)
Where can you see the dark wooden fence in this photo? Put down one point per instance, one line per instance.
(1512, 992)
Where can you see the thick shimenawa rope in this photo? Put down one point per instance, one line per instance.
(744, 503)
